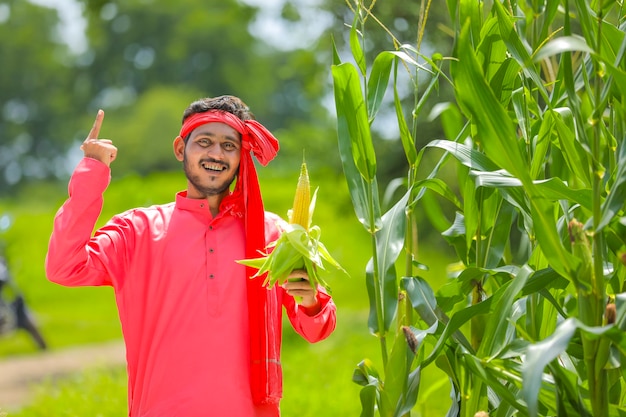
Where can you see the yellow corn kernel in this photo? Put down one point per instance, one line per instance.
(300, 212)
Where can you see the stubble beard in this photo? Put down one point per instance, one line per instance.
(207, 191)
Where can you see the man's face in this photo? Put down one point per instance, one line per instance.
(211, 159)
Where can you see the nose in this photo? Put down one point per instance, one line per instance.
(215, 151)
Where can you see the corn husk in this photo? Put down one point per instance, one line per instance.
(299, 245)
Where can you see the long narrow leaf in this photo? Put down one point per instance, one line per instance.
(378, 82)
(355, 45)
(425, 304)
(615, 201)
(469, 157)
(389, 297)
(537, 358)
(390, 239)
(516, 47)
(357, 185)
(349, 98)
(494, 338)
(408, 143)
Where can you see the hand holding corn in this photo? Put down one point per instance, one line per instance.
(298, 247)
(298, 286)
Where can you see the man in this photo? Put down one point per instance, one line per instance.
(202, 338)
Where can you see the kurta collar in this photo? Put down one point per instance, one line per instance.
(228, 204)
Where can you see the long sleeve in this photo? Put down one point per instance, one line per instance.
(69, 260)
(312, 328)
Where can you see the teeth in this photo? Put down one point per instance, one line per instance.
(212, 166)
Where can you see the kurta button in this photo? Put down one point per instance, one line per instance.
(201, 205)
(210, 227)
(211, 276)
(211, 250)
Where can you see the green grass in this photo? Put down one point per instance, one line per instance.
(98, 393)
(317, 377)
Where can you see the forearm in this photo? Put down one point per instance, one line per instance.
(68, 260)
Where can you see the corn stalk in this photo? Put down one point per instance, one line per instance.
(532, 316)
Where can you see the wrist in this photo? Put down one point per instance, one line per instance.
(311, 306)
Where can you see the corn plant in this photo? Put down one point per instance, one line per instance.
(531, 320)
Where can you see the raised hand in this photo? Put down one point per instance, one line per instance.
(101, 149)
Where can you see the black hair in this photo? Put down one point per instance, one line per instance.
(226, 103)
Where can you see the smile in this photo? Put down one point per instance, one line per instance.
(213, 166)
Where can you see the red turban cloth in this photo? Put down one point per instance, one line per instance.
(266, 380)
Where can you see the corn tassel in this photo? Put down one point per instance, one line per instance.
(299, 245)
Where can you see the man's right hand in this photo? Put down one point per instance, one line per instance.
(101, 149)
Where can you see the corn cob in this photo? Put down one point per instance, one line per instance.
(299, 245)
(299, 214)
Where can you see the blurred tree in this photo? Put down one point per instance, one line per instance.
(144, 61)
(36, 87)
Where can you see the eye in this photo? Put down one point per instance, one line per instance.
(204, 142)
(229, 146)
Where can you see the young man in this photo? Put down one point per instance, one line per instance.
(202, 338)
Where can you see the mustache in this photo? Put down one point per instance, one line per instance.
(214, 161)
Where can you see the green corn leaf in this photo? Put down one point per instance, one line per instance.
(378, 82)
(389, 296)
(355, 45)
(617, 194)
(365, 373)
(516, 47)
(570, 144)
(358, 185)
(560, 45)
(408, 143)
(453, 326)
(368, 397)
(396, 371)
(348, 96)
(495, 336)
(537, 358)
(469, 157)
(390, 239)
(438, 186)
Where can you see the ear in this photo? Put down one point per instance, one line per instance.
(179, 148)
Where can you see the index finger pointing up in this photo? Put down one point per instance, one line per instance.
(95, 129)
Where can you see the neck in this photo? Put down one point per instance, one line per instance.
(214, 203)
(214, 200)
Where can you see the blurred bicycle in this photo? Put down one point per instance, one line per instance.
(14, 314)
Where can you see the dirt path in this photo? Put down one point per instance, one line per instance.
(19, 374)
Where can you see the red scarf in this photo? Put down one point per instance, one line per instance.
(265, 377)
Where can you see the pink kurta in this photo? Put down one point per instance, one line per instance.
(180, 294)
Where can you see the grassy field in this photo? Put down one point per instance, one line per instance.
(317, 377)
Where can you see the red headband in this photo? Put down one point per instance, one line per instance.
(254, 136)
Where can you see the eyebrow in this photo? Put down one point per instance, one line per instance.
(232, 138)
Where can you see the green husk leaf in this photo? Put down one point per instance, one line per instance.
(296, 248)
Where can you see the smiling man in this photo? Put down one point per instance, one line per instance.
(202, 338)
